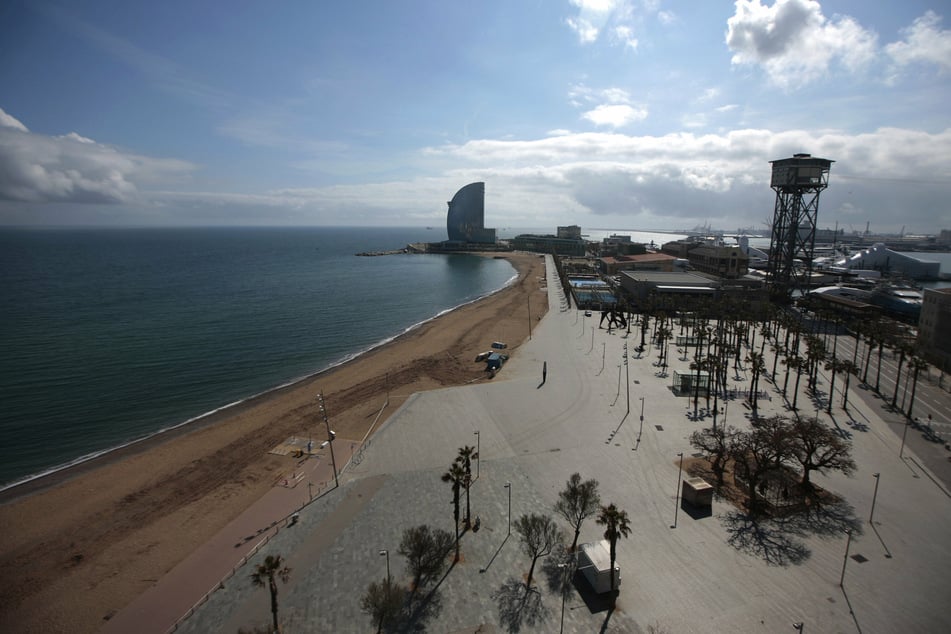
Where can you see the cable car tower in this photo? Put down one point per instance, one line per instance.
(797, 182)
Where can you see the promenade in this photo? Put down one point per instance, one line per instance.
(680, 573)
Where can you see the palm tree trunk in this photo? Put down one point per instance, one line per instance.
(901, 360)
(878, 370)
(273, 588)
(845, 392)
(795, 396)
(468, 514)
(914, 388)
(831, 387)
(868, 361)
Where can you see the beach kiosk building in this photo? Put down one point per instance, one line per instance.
(594, 561)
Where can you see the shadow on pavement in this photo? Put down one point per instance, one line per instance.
(518, 605)
(761, 538)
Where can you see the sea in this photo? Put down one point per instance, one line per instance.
(109, 336)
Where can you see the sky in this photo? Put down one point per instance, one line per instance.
(628, 114)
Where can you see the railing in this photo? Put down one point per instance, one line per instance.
(355, 459)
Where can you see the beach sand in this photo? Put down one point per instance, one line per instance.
(77, 547)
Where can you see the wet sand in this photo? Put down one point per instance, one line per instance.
(80, 545)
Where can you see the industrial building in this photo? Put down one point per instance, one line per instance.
(610, 265)
(934, 327)
(887, 262)
(642, 284)
(549, 244)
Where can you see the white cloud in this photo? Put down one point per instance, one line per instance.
(794, 42)
(612, 106)
(924, 42)
(615, 115)
(679, 179)
(625, 35)
(72, 168)
(9, 121)
(592, 17)
(586, 31)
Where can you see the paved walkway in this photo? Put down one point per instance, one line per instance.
(680, 572)
(188, 583)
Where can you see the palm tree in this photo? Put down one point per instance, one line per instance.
(878, 369)
(832, 366)
(268, 572)
(872, 335)
(815, 354)
(457, 477)
(757, 366)
(466, 455)
(849, 369)
(903, 349)
(795, 362)
(617, 525)
(917, 364)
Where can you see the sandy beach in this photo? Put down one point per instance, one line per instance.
(80, 546)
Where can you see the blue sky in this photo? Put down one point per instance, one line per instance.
(603, 113)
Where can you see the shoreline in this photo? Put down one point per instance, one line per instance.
(94, 537)
(57, 474)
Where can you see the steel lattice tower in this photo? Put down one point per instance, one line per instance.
(797, 182)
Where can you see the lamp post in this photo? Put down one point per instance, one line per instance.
(386, 553)
(564, 592)
(627, 380)
(508, 485)
(677, 496)
(330, 437)
(874, 495)
(845, 559)
(478, 453)
(798, 627)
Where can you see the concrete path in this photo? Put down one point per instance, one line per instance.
(188, 583)
(681, 572)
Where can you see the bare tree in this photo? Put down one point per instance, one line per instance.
(383, 602)
(817, 447)
(715, 442)
(539, 535)
(578, 501)
(425, 550)
(760, 451)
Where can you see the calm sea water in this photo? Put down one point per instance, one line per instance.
(111, 335)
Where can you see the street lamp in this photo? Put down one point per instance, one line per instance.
(627, 380)
(798, 627)
(478, 453)
(565, 567)
(386, 553)
(508, 485)
(330, 437)
(874, 495)
(677, 496)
